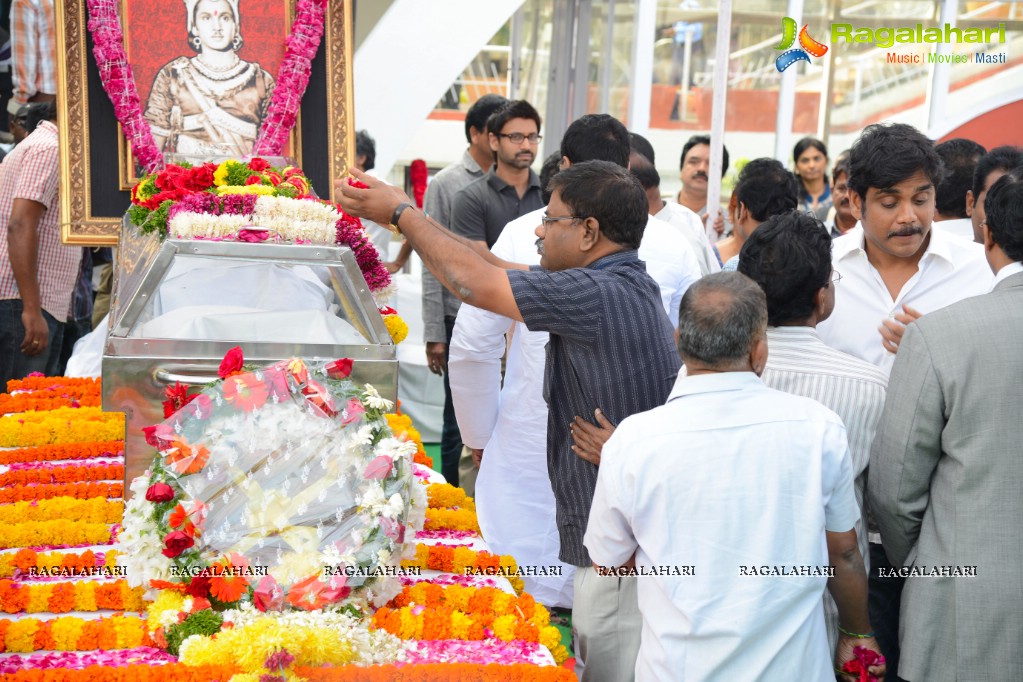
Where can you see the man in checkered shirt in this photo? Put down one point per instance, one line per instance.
(37, 272)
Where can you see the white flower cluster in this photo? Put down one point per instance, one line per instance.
(371, 647)
(140, 542)
(286, 218)
(373, 400)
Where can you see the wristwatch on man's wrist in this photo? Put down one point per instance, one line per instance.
(396, 216)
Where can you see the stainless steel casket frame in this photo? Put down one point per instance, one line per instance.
(137, 370)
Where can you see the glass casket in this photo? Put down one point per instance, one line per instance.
(179, 305)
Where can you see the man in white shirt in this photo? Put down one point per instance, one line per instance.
(508, 427)
(895, 267)
(959, 158)
(789, 256)
(732, 549)
(676, 215)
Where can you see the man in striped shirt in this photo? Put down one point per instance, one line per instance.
(37, 272)
(33, 53)
(789, 256)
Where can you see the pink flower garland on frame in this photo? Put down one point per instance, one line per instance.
(119, 82)
(292, 77)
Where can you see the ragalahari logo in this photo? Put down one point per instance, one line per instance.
(808, 46)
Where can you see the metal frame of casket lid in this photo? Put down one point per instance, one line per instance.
(136, 370)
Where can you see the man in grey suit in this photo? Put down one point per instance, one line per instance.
(946, 469)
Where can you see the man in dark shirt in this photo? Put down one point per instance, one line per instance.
(611, 344)
(510, 189)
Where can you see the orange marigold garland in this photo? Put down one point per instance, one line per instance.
(401, 425)
(64, 385)
(78, 491)
(74, 473)
(70, 633)
(62, 597)
(464, 561)
(66, 451)
(58, 563)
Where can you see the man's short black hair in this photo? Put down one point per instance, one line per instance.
(609, 193)
(596, 137)
(720, 318)
(789, 256)
(959, 157)
(518, 108)
(366, 146)
(703, 139)
(1003, 211)
(886, 154)
(1000, 158)
(842, 166)
(641, 145)
(766, 188)
(550, 168)
(36, 113)
(479, 112)
(646, 174)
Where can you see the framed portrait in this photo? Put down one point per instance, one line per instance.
(205, 71)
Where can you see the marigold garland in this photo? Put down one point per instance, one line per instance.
(66, 451)
(457, 612)
(62, 597)
(29, 561)
(464, 561)
(63, 425)
(74, 473)
(53, 533)
(63, 509)
(41, 402)
(70, 633)
(438, 672)
(445, 495)
(451, 519)
(78, 491)
(68, 385)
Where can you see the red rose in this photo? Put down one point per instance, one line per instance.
(175, 543)
(160, 492)
(232, 363)
(199, 587)
(201, 177)
(254, 180)
(339, 369)
(257, 164)
(170, 178)
(157, 434)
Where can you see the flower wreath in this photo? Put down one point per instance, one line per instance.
(119, 82)
(281, 488)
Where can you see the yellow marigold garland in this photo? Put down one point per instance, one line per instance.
(451, 519)
(62, 509)
(63, 425)
(69, 633)
(445, 495)
(46, 533)
(66, 596)
(28, 560)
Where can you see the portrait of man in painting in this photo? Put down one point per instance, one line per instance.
(212, 102)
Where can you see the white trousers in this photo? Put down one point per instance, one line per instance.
(606, 626)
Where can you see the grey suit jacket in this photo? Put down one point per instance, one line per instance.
(946, 487)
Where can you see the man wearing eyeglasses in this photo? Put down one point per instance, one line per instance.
(611, 343)
(481, 210)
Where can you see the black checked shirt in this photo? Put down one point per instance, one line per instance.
(611, 347)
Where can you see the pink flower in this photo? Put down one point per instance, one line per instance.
(353, 412)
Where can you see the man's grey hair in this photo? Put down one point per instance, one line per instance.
(720, 318)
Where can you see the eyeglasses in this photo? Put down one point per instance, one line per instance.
(546, 220)
(517, 138)
(836, 276)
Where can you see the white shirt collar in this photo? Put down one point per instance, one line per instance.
(713, 383)
(1007, 271)
(853, 242)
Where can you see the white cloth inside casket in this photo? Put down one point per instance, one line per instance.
(268, 302)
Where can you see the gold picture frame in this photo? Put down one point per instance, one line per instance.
(92, 201)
